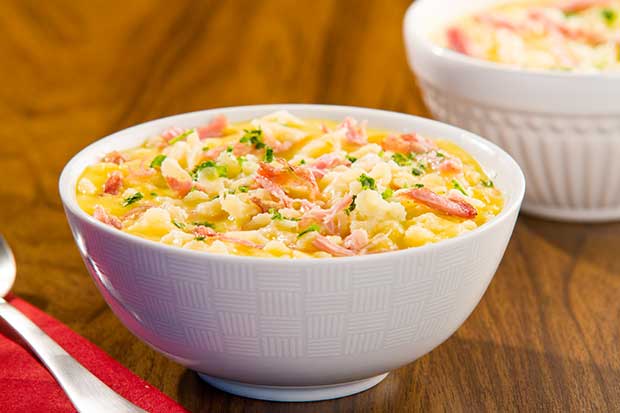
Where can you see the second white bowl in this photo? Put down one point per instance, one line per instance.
(562, 128)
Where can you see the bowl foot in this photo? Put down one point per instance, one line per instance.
(293, 393)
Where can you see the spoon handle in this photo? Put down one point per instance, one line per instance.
(86, 392)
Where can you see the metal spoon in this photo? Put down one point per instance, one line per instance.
(87, 393)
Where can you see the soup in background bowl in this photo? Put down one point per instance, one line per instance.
(292, 329)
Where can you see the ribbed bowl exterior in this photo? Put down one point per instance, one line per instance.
(570, 162)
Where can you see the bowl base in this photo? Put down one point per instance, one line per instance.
(293, 393)
(572, 215)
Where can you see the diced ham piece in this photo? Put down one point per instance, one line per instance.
(274, 189)
(330, 217)
(172, 133)
(275, 144)
(113, 184)
(458, 41)
(214, 128)
(408, 143)
(356, 131)
(100, 214)
(329, 160)
(357, 240)
(453, 205)
(177, 178)
(204, 231)
(451, 166)
(323, 243)
(496, 21)
(114, 157)
(575, 6)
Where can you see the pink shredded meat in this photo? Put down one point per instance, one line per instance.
(214, 128)
(115, 157)
(357, 240)
(204, 231)
(181, 187)
(356, 131)
(323, 243)
(113, 184)
(575, 6)
(172, 133)
(100, 214)
(408, 143)
(458, 41)
(448, 205)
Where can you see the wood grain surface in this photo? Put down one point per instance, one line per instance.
(545, 336)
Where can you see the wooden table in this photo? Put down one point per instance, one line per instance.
(545, 336)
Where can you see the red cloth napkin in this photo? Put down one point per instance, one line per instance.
(26, 386)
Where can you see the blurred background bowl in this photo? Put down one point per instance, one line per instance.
(562, 128)
(293, 330)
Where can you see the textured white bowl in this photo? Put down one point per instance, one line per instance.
(562, 128)
(283, 329)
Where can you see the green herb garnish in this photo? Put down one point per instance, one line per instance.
(609, 15)
(133, 199)
(488, 184)
(179, 225)
(302, 162)
(457, 185)
(220, 169)
(275, 214)
(203, 224)
(439, 154)
(229, 149)
(268, 155)
(387, 194)
(180, 137)
(243, 188)
(401, 160)
(367, 182)
(154, 194)
(254, 137)
(157, 161)
(311, 228)
(351, 159)
(200, 238)
(351, 207)
(416, 171)
(419, 185)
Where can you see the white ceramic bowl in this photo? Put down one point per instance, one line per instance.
(284, 329)
(562, 128)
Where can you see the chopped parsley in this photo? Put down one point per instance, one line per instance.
(488, 184)
(205, 148)
(220, 169)
(200, 238)
(351, 159)
(311, 228)
(401, 160)
(416, 171)
(302, 162)
(179, 225)
(351, 207)
(203, 224)
(367, 182)
(439, 154)
(419, 185)
(157, 161)
(387, 194)
(154, 194)
(229, 149)
(180, 137)
(275, 214)
(457, 185)
(609, 15)
(243, 188)
(268, 154)
(133, 199)
(254, 137)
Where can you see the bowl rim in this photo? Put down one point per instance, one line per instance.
(67, 188)
(453, 57)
